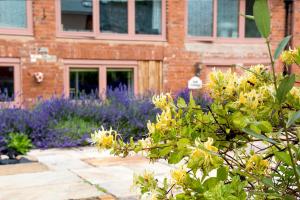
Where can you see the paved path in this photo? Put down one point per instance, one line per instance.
(77, 173)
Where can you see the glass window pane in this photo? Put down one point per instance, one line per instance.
(120, 78)
(13, 14)
(84, 82)
(200, 17)
(148, 17)
(250, 26)
(6, 83)
(77, 15)
(113, 16)
(228, 18)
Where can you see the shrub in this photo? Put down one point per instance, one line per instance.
(52, 121)
(12, 121)
(18, 144)
(246, 146)
(63, 122)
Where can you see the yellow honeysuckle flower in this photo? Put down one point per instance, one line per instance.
(151, 127)
(145, 143)
(103, 139)
(251, 99)
(242, 99)
(179, 176)
(256, 164)
(148, 176)
(205, 159)
(164, 122)
(208, 145)
(287, 57)
(295, 92)
(222, 85)
(162, 101)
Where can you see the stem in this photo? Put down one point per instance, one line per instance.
(216, 119)
(281, 116)
(291, 156)
(272, 64)
(170, 189)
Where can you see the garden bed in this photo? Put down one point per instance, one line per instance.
(63, 122)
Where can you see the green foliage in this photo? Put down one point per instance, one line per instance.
(245, 145)
(281, 46)
(285, 87)
(75, 127)
(293, 118)
(262, 17)
(19, 143)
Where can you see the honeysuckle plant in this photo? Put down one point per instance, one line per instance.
(244, 145)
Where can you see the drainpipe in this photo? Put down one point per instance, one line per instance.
(288, 28)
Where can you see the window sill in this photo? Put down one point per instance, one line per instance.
(16, 32)
(225, 40)
(108, 36)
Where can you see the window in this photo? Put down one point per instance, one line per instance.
(83, 82)
(119, 78)
(148, 17)
(93, 78)
(208, 19)
(228, 16)
(114, 16)
(200, 23)
(15, 17)
(77, 15)
(6, 83)
(112, 19)
(250, 27)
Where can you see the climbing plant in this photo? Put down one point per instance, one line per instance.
(244, 145)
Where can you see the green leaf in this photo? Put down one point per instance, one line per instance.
(211, 182)
(281, 46)
(259, 136)
(265, 126)
(181, 103)
(262, 17)
(239, 121)
(267, 182)
(284, 157)
(156, 136)
(165, 151)
(284, 88)
(183, 143)
(176, 157)
(297, 57)
(255, 129)
(192, 100)
(222, 173)
(293, 118)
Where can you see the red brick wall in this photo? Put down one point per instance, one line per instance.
(178, 59)
(296, 32)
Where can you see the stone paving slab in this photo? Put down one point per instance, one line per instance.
(22, 168)
(117, 180)
(98, 175)
(76, 153)
(137, 164)
(37, 179)
(79, 174)
(51, 192)
(114, 160)
(62, 162)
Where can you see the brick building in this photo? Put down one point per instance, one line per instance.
(65, 47)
